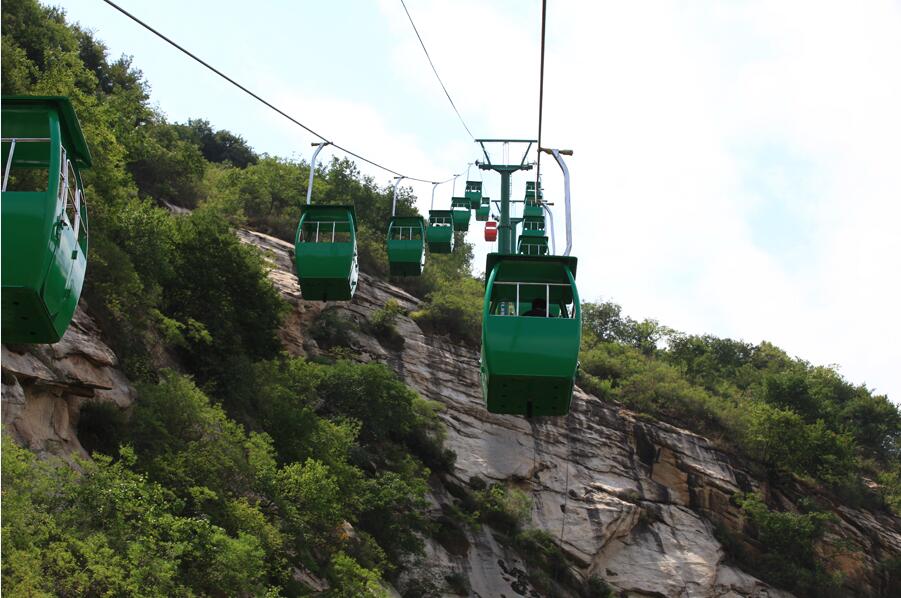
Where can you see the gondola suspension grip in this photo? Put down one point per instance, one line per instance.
(319, 147)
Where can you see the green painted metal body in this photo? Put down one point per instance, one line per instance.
(44, 218)
(532, 211)
(325, 252)
(532, 207)
(406, 245)
(529, 363)
(532, 245)
(533, 226)
(440, 232)
(484, 210)
(462, 213)
(474, 194)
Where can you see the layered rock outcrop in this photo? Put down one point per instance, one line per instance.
(45, 387)
(630, 500)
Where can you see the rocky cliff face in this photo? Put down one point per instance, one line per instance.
(630, 500)
(45, 386)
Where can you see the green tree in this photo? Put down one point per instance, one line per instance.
(787, 539)
(217, 146)
(351, 580)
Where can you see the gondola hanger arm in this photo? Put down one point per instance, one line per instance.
(318, 145)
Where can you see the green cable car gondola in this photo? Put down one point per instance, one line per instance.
(529, 356)
(532, 207)
(325, 252)
(532, 245)
(462, 213)
(440, 233)
(473, 193)
(45, 222)
(484, 210)
(533, 226)
(406, 245)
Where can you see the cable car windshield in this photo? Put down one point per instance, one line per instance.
(441, 221)
(405, 233)
(325, 231)
(26, 163)
(531, 299)
(536, 248)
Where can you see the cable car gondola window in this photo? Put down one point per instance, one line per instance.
(26, 175)
(324, 231)
(516, 299)
(406, 233)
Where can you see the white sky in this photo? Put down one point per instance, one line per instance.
(737, 166)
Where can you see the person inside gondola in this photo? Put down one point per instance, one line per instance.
(539, 308)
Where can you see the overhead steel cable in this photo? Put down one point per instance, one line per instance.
(258, 97)
(434, 70)
(540, 100)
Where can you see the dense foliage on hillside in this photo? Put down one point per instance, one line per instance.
(792, 418)
(782, 411)
(247, 463)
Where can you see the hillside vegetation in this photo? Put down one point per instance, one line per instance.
(245, 465)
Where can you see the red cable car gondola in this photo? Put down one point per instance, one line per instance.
(491, 231)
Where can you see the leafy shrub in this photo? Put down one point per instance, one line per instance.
(458, 584)
(659, 389)
(780, 438)
(504, 508)
(191, 446)
(222, 283)
(382, 324)
(425, 438)
(285, 401)
(167, 168)
(454, 309)
(392, 510)
(314, 502)
(477, 483)
(604, 322)
(373, 251)
(448, 532)
(545, 559)
(217, 146)
(101, 426)
(351, 580)
(613, 361)
(596, 587)
(787, 539)
(890, 488)
(332, 330)
(371, 394)
(110, 531)
(421, 587)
